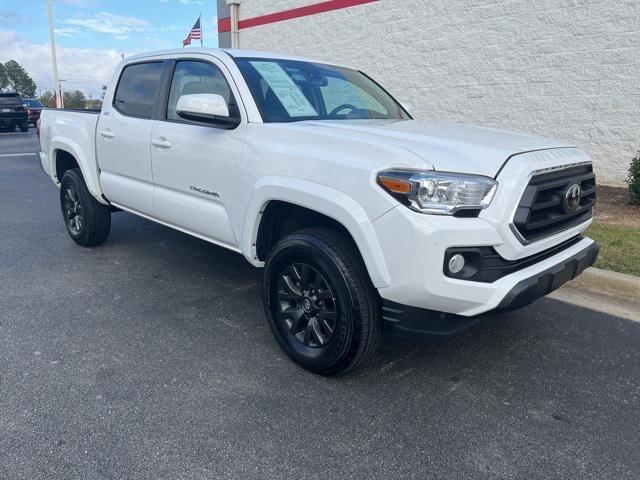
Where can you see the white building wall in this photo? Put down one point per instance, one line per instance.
(560, 68)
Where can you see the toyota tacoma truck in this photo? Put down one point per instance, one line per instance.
(363, 218)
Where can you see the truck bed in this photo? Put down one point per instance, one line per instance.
(74, 130)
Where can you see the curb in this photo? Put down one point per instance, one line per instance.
(605, 291)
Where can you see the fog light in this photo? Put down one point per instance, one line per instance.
(456, 263)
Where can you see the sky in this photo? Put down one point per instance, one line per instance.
(92, 35)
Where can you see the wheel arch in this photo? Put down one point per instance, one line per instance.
(63, 161)
(275, 195)
(66, 154)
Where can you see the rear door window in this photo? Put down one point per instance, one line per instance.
(137, 91)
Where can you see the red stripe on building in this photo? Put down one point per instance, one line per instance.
(224, 24)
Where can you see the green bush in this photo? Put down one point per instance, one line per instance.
(634, 179)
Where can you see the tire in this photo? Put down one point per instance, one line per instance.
(88, 222)
(24, 128)
(321, 305)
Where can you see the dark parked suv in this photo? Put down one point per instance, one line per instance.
(12, 112)
(34, 107)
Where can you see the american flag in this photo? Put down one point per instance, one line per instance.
(194, 34)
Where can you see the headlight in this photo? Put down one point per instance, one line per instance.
(438, 193)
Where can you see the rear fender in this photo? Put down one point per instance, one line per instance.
(88, 166)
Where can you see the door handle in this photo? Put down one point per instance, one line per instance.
(107, 133)
(161, 143)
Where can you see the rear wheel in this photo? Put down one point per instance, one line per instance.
(322, 307)
(88, 222)
(24, 128)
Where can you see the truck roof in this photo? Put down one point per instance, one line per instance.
(238, 53)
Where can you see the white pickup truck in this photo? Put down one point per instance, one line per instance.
(363, 218)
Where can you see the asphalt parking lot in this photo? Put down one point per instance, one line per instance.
(150, 357)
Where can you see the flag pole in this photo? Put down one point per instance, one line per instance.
(201, 31)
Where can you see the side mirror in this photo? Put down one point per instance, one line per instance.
(206, 109)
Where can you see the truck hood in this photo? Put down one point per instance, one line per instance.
(450, 147)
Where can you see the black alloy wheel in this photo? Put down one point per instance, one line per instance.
(307, 305)
(73, 213)
(88, 221)
(322, 308)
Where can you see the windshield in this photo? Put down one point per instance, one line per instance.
(291, 90)
(32, 103)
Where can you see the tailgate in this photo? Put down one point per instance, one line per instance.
(11, 107)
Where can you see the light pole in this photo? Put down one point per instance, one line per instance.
(56, 80)
(60, 80)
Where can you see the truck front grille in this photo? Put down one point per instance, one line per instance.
(546, 207)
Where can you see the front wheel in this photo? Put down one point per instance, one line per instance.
(88, 222)
(322, 307)
(24, 128)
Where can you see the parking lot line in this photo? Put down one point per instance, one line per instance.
(17, 154)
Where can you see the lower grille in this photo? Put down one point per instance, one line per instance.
(484, 264)
(554, 201)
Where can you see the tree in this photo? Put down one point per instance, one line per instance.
(48, 99)
(19, 79)
(94, 104)
(74, 99)
(4, 80)
(103, 93)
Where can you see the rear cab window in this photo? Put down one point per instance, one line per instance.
(138, 88)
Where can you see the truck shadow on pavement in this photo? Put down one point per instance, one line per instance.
(201, 276)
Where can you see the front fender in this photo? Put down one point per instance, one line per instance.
(322, 199)
(88, 166)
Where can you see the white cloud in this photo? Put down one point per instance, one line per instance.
(84, 69)
(104, 22)
(190, 2)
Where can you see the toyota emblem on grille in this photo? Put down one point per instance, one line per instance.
(572, 197)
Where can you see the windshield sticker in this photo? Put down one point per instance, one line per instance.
(291, 97)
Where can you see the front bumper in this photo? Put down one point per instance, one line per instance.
(543, 283)
(414, 247)
(406, 321)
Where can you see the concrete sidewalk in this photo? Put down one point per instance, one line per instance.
(604, 291)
